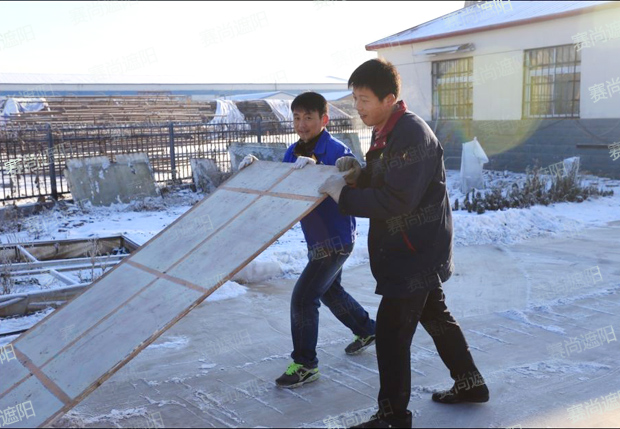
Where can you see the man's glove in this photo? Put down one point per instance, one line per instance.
(247, 161)
(333, 186)
(302, 161)
(348, 163)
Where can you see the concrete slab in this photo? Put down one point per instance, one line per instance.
(216, 368)
(263, 151)
(352, 140)
(206, 175)
(102, 182)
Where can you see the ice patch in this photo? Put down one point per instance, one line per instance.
(541, 370)
(174, 343)
(74, 419)
(519, 316)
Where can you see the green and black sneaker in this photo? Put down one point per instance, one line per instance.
(359, 344)
(297, 375)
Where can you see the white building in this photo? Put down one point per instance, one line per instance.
(535, 81)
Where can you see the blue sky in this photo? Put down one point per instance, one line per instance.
(212, 41)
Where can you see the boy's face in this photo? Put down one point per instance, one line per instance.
(308, 125)
(372, 111)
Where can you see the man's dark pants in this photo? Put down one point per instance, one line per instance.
(321, 282)
(397, 319)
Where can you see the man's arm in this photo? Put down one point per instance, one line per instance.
(406, 181)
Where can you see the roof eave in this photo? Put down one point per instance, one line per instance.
(373, 47)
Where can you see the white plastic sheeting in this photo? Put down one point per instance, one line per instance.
(15, 106)
(229, 117)
(336, 113)
(472, 162)
(281, 108)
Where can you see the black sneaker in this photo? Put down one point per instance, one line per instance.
(359, 344)
(476, 394)
(387, 422)
(297, 375)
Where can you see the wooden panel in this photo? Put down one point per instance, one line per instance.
(72, 321)
(157, 306)
(192, 230)
(12, 372)
(242, 240)
(43, 403)
(303, 182)
(265, 175)
(74, 350)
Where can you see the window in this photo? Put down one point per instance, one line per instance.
(552, 79)
(453, 89)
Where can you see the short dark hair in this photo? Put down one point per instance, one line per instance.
(310, 102)
(378, 75)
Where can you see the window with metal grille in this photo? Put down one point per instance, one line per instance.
(453, 89)
(552, 79)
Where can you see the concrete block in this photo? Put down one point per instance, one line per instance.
(102, 182)
(264, 151)
(206, 175)
(352, 140)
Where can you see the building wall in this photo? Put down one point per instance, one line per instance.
(501, 97)
(514, 143)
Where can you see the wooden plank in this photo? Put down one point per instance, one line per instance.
(73, 351)
(204, 222)
(157, 306)
(12, 372)
(220, 255)
(44, 403)
(56, 333)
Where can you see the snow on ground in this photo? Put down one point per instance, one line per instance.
(287, 257)
(520, 334)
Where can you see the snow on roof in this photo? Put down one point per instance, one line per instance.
(256, 96)
(487, 16)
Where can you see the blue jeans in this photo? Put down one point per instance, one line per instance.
(320, 282)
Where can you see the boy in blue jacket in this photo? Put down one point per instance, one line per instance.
(330, 237)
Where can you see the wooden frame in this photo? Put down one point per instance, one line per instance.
(147, 293)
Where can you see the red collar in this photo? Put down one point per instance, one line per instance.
(380, 136)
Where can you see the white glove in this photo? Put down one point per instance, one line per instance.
(348, 163)
(302, 161)
(333, 186)
(247, 161)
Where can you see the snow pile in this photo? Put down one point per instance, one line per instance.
(227, 291)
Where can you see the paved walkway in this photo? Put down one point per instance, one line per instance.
(216, 367)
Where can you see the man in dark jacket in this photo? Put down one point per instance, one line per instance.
(403, 192)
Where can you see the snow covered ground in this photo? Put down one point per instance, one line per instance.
(286, 258)
(508, 289)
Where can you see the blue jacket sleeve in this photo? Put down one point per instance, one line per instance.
(288, 156)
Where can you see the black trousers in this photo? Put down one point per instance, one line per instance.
(397, 319)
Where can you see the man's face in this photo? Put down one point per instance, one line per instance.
(372, 111)
(308, 125)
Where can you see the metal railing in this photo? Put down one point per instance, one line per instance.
(32, 157)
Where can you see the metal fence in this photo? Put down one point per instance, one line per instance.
(32, 158)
